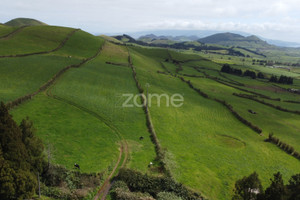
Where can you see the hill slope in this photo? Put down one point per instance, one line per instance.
(231, 39)
(24, 22)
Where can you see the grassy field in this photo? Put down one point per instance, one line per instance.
(4, 30)
(80, 45)
(207, 146)
(99, 87)
(20, 76)
(34, 39)
(72, 135)
(23, 75)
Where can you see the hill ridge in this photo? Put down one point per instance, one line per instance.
(24, 22)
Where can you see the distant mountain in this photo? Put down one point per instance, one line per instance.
(152, 37)
(125, 38)
(24, 22)
(175, 33)
(232, 39)
(280, 43)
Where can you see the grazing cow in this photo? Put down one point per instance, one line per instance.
(141, 138)
(77, 166)
(251, 111)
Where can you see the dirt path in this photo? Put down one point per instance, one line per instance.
(106, 185)
(7, 36)
(105, 189)
(43, 52)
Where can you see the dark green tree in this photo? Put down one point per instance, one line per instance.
(33, 144)
(260, 75)
(20, 157)
(277, 190)
(248, 188)
(252, 74)
(274, 79)
(294, 187)
(226, 68)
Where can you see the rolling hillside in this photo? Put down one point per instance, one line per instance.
(24, 22)
(71, 84)
(231, 39)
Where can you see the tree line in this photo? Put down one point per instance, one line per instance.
(250, 188)
(282, 79)
(266, 103)
(286, 147)
(226, 68)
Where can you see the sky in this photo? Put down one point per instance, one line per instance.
(272, 19)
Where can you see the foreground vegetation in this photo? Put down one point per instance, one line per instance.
(250, 187)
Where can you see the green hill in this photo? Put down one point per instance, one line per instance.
(74, 85)
(24, 22)
(231, 39)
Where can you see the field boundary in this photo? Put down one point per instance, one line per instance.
(26, 97)
(13, 32)
(224, 103)
(62, 43)
(117, 64)
(235, 87)
(266, 103)
(158, 149)
(283, 146)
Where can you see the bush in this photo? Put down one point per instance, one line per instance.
(120, 194)
(167, 196)
(137, 182)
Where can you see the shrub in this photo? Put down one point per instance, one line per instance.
(137, 182)
(167, 196)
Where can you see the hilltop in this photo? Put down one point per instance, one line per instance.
(231, 39)
(24, 22)
(152, 37)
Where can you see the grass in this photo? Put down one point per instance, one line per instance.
(282, 124)
(4, 30)
(73, 136)
(34, 39)
(99, 87)
(159, 53)
(193, 135)
(20, 76)
(276, 121)
(80, 45)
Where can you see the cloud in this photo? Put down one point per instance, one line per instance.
(274, 18)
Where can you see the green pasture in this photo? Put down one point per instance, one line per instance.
(70, 134)
(99, 87)
(208, 148)
(34, 39)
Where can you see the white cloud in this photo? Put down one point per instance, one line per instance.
(278, 19)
